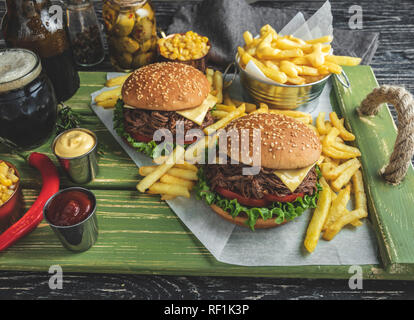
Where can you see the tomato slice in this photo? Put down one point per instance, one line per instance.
(141, 138)
(287, 198)
(190, 141)
(242, 200)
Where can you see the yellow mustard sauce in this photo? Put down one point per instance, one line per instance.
(74, 143)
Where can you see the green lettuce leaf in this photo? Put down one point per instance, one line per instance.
(151, 149)
(280, 211)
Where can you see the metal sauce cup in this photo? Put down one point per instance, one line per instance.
(282, 96)
(12, 209)
(81, 169)
(78, 237)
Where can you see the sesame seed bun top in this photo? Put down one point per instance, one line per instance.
(166, 86)
(285, 143)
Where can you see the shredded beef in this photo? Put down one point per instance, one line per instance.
(146, 122)
(230, 177)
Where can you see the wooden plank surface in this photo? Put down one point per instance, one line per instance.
(391, 207)
(392, 65)
(138, 232)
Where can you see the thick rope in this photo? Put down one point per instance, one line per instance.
(403, 102)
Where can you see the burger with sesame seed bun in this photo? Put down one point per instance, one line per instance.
(163, 96)
(285, 182)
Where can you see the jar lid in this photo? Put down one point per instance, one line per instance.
(18, 67)
(129, 2)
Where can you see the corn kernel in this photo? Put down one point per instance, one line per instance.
(184, 47)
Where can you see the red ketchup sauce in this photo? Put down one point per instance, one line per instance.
(69, 208)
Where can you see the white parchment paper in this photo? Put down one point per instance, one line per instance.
(282, 246)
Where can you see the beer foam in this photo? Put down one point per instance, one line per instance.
(18, 67)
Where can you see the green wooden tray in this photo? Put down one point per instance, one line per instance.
(140, 234)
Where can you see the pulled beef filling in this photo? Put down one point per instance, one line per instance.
(146, 122)
(230, 177)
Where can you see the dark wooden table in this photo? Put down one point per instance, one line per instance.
(392, 65)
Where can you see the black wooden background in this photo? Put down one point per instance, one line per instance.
(393, 64)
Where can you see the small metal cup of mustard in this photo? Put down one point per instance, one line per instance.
(71, 213)
(76, 150)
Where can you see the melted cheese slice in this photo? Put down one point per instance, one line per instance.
(198, 114)
(293, 178)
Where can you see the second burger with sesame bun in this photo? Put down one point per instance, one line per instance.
(286, 184)
(159, 96)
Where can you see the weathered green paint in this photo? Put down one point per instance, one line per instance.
(391, 207)
(138, 233)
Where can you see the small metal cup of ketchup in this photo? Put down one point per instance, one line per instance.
(12, 209)
(77, 152)
(71, 213)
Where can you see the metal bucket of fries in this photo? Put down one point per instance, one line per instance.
(295, 70)
(282, 96)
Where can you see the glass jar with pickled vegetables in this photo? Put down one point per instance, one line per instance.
(131, 33)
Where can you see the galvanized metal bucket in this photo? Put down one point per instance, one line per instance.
(282, 96)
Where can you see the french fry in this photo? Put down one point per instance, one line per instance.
(344, 60)
(108, 95)
(296, 80)
(338, 206)
(345, 176)
(320, 123)
(332, 67)
(326, 168)
(160, 159)
(330, 137)
(223, 107)
(293, 114)
(167, 197)
(335, 153)
(108, 104)
(218, 114)
(146, 170)
(318, 218)
(186, 166)
(218, 85)
(169, 179)
(263, 108)
(224, 121)
(209, 75)
(248, 37)
(181, 171)
(342, 221)
(359, 192)
(343, 147)
(336, 171)
(167, 189)
(324, 39)
(183, 174)
(116, 81)
(249, 106)
(343, 133)
(150, 179)
(308, 71)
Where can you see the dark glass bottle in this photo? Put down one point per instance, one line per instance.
(38, 25)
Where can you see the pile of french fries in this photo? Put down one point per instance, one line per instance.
(291, 60)
(170, 177)
(341, 178)
(107, 99)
